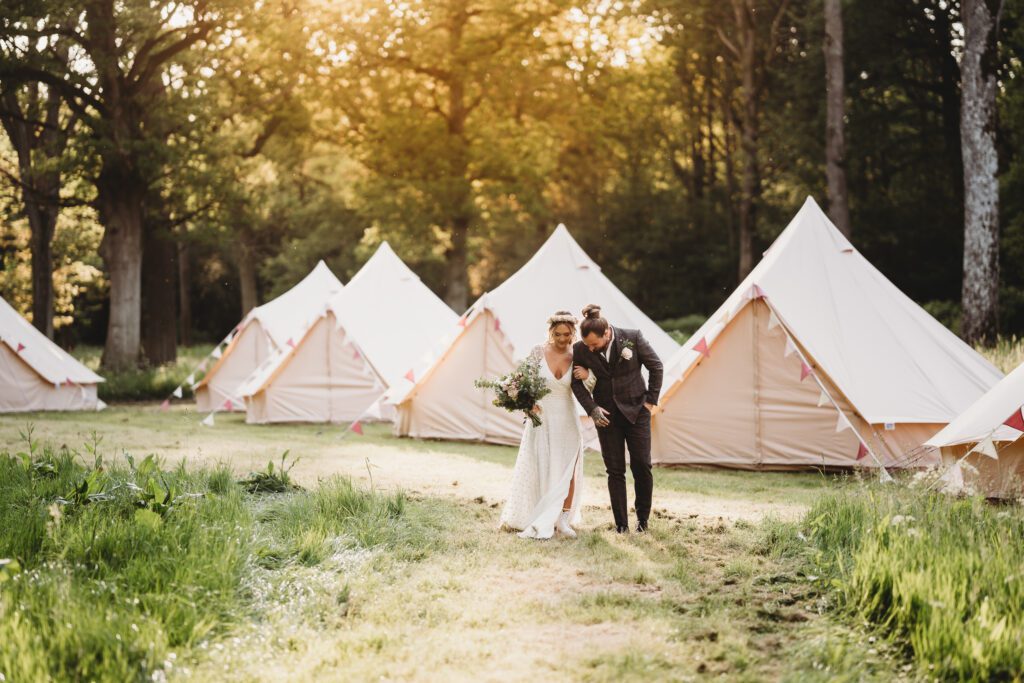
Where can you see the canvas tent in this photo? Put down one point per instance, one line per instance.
(982, 447)
(275, 325)
(816, 360)
(500, 328)
(366, 338)
(36, 374)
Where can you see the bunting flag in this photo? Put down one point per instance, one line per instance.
(884, 476)
(1016, 421)
(988, 447)
(21, 347)
(226, 405)
(207, 421)
(701, 347)
(842, 424)
(216, 352)
(411, 376)
(790, 347)
(177, 393)
(100, 405)
(756, 292)
(462, 320)
(497, 324)
(823, 400)
(202, 366)
(191, 379)
(165, 405)
(290, 342)
(357, 427)
(805, 370)
(355, 354)
(862, 450)
(773, 320)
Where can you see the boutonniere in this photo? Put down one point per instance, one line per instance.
(627, 350)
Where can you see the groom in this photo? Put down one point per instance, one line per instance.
(620, 406)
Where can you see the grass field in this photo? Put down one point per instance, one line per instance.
(387, 565)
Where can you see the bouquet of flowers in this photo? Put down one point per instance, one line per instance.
(520, 389)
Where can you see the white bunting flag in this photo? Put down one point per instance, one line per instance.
(988, 447)
(216, 352)
(100, 405)
(790, 347)
(191, 379)
(208, 420)
(823, 400)
(773, 320)
(884, 476)
(842, 424)
(177, 392)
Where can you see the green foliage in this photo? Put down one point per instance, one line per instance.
(271, 480)
(938, 574)
(683, 328)
(144, 384)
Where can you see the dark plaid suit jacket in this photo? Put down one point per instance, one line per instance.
(619, 382)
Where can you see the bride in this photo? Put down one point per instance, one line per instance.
(545, 495)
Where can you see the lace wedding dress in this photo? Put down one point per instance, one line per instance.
(550, 457)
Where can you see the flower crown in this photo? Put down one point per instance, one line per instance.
(563, 318)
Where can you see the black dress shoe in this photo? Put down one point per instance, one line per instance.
(622, 529)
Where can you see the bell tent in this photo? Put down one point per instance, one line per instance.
(439, 401)
(364, 340)
(275, 325)
(36, 374)
(816, 360)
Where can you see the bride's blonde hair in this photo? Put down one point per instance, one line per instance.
(562, 318)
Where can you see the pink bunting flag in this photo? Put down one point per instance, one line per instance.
(357, 427)
(462, 320)
(862, 450)
(702, 347)
(21, 347)
(290, 342)
(805, 370)
(355, 354)
(497, 324)
(411, 376)
(202, 366)
(165, 405)
(756, 292)
(226, 405)
(1016, 421)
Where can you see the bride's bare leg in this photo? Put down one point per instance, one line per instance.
(567, 504)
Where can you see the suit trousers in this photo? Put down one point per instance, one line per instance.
(614, 438)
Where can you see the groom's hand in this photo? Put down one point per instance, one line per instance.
(650, 407)
(600, 417)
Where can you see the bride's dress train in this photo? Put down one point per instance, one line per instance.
(550, 458)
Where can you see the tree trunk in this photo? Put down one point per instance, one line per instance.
(981, 162)
(835, 135)
(750, 182)
(119, 200)
(184, 293)
(247, 277)
(159, 327)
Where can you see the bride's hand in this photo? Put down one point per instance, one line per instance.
(535, 409)
(580, 373)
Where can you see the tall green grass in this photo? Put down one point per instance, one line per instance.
(125, 566)
(1007, 353)
(944, 577)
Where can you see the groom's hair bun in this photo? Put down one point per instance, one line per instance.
(593, 323)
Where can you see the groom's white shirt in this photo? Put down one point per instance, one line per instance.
(608, 347)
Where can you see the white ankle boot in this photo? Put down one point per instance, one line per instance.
(562, 525)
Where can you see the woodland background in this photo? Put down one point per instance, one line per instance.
(168, 165)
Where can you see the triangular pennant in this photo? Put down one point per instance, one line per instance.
(497, 325)
(166, 404)
(790, 348)
(290, 342)
(100, 405)
(57, 385)
(226, 405)
(216, 352)
(988, 447)
(21, 347)
(177, 393)
(842, 424)
(202, 366)
(462, 320)
(208, 420)
(862, 450)
(411, 376)
(884, 476)
(191, 379)
(701, 347)
(69, 381)
(823, 400)
(357, 427)
(805, 370)
(355, 354)
(1016, 421)
(756, 292)
(773, 320)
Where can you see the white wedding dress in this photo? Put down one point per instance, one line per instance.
(550, 457)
